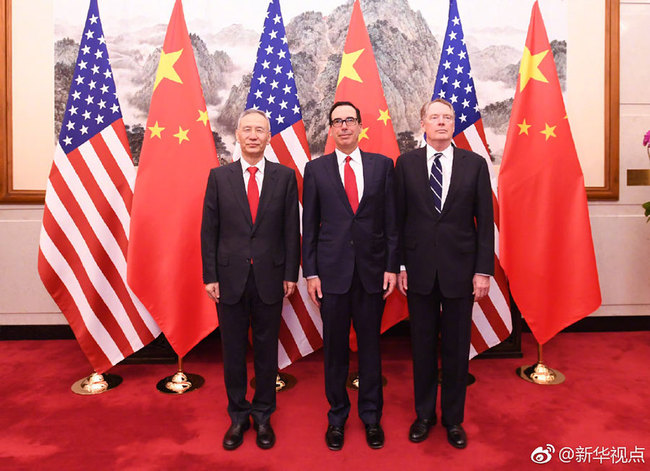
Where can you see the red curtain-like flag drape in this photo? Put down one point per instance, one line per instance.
(164, 258)
(545, 242)
(360, 84)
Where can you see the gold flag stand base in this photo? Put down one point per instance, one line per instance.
(539, 373)
(181, 382)
(353, 381)
(283, 382)
(96, 384)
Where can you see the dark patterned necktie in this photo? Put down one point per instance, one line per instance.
(435, 181)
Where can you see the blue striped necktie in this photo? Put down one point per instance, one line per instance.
(435, 181)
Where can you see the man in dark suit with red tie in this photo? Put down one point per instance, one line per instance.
(350, 260)
(250, 244)
(444, 202)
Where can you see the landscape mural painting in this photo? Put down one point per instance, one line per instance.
(407, 37)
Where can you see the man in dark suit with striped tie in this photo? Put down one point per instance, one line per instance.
(250, 244)
(444, 202)
(350, 261)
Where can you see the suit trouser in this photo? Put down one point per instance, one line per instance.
(365, 311)
(454, 326)
(234, 321)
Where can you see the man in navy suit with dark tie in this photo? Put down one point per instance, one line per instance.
(444, 202)
(250, 244)
(350, 260)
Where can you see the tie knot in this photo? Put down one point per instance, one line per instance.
(437, 155)
(347, 159)
(252, 170)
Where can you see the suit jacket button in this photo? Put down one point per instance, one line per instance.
(351, 242)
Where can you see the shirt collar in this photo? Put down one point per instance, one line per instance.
(446, 153)
(355, 155)
(260, 165)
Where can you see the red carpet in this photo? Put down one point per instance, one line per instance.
(604, 402)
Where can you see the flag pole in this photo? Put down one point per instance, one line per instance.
(539, 373)
(180, 382)
(96, 383)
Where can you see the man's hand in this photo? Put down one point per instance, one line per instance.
(481, 286)
(402, 282)
(390, 280)
(313, 288)
(213, 291)
(289, 288)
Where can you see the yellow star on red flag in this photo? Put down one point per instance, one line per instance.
(181, 135)
(549, 131)
(363, 134)
(529, 68)
(166, 68)
(383, 116)
(523, 127)
(347, 67)
(203, 117)
(156, 131)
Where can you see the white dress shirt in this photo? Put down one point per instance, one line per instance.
(259, 175)
(357, 167)
(446, 161)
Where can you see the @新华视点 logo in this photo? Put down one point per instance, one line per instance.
(542, 455)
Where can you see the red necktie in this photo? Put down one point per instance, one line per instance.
(253, 192)
(350, 184)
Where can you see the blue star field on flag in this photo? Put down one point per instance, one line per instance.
(454, 80)
(273, 87)
(92, 102)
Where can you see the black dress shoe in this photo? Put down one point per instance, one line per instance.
(334, 437)
(456, 436)
(265, 435)
(235, 435)
(419, 430)
(374, 436)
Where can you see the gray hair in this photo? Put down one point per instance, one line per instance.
(253, 111)
(425, 107)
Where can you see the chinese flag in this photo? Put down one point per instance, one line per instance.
(545, 236)
(164, 257)
(360, 84)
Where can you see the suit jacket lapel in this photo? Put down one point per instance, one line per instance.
(369, 174)
(239, 190)
(268, 186)
(422, 174)
(457, 172)
(332, 168)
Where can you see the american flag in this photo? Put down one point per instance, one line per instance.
(83, 243)
(491, 319)
(273, 90)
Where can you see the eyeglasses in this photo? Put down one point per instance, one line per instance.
(338, 122)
